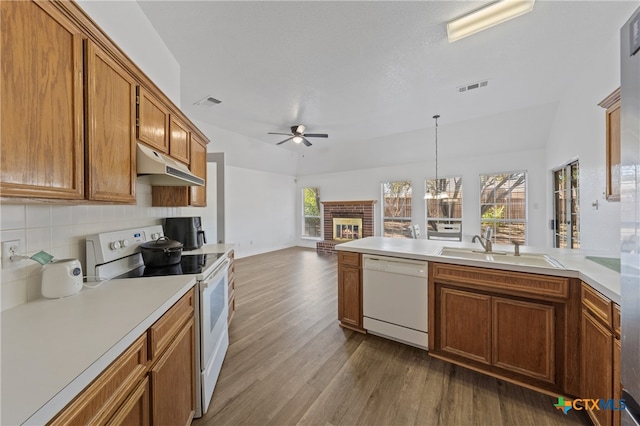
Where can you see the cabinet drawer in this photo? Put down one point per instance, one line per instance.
(347, 258)
(164, 330)
(99, 401)
(598, 305)
(515, 283)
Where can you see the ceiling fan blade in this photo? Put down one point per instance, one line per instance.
(316, 135)
(286, 140)
(273, 133)
(306, 141)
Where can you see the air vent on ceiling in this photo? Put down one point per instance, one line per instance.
(209, 101)
(473, 86)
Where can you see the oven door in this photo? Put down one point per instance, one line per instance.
(214, 337)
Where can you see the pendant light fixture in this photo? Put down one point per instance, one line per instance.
(436, 194)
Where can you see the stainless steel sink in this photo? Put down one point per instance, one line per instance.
(525, 259)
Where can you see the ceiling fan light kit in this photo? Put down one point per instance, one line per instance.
(298, 135)
(487, 17)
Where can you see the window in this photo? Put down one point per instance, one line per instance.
(444, 214)
(311, 213)
(503, 206)
(566, 207)
(396, 209)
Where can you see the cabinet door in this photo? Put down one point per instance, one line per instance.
(173, 381)
(179, 141)
(349, 290)
(524, 338)
(198, 195)
(469, 336)
(111, 142)
(617, 385)
(135, 410)
(349, 297)
(153, 121)
(596, 365)
(612, 105)
(41, 107)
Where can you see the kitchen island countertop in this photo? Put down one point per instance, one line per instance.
(575, 263)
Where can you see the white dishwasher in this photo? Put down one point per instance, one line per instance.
(394, 299)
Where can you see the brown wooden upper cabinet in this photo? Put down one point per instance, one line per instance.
(180, 140)
(42, 118)
(612, 105)
(198, 195)
(153, 121)
(111, 140)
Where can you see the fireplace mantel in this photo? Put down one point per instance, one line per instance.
(348, 203)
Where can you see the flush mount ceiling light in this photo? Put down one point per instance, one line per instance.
(487, 17)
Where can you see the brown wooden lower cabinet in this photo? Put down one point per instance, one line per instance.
(471, 337)
(600, 354)
(350, 290)
(501, 323)
(105, 396)
(523, 339)
(141, 385)
(173, 381)
(231, 288)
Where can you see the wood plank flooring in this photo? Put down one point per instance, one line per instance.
(290, 363)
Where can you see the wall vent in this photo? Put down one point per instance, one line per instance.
(473, 86)
(209, 101)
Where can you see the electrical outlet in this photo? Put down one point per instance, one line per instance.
(9, 248)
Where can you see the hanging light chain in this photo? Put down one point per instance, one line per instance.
(435, 195)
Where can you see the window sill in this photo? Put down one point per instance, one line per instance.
(311, 238)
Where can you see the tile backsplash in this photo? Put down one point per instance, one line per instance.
(60, 230)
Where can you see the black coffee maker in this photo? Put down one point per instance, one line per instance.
(187, 230)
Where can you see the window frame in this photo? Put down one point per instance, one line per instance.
(573, 233)
(495, 221)
(453, 236)
(305, 216)
(409, 219)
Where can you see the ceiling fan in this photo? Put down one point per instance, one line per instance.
(298, 135)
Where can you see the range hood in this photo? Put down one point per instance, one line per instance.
(158, 169)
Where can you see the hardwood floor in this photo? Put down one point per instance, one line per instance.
(290, 363)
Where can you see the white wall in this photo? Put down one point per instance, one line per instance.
(260, 210)
(365, 185)
(579, 132)
(132, 31)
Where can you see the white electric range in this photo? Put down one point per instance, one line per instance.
(117, 254)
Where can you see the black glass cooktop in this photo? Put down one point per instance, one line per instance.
(190, 264)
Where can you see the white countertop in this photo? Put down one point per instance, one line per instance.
(576, 265)
(53, 348)
(211, 248)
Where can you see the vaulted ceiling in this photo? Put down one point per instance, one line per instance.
(368, 69)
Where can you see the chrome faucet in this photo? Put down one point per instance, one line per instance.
(486, 244)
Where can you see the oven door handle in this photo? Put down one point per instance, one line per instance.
(213, 278)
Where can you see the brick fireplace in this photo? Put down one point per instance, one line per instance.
(344, 210)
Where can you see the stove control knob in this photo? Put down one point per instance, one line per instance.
(115, 245)
(124, 243)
